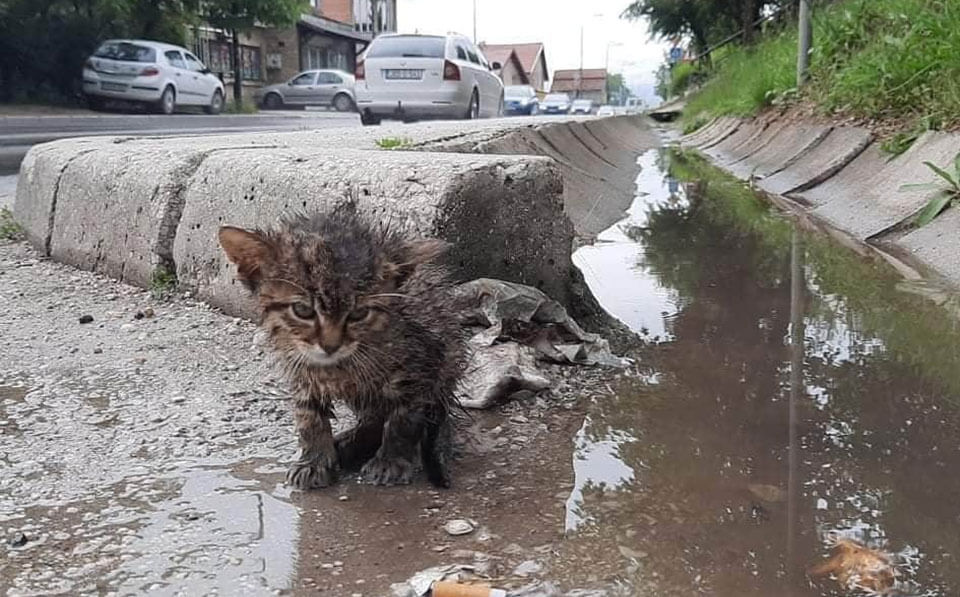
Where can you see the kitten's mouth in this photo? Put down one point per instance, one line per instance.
(319, 357)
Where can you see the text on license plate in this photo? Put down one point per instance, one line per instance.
(113, 87)
(403, 73)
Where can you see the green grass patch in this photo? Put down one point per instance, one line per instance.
(393, 142)
(244, 108)
(9, 228)
(883, 59)
(163, 283)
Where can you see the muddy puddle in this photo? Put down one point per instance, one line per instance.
(790, 396)
(796, 395)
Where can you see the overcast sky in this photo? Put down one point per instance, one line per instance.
(554, 22)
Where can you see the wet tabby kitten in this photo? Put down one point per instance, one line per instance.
(359, 313)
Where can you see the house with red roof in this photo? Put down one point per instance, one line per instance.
(588, 83)
(532, 63)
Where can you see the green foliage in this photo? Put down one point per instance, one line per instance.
(947, 191)
(9, 228)
(888, 59)
(43, 43)
(704, 21)
(616, 88)
(393, 142)
(683, 76)
(747, 79)
(163, 282)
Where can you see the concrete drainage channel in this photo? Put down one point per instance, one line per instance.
(840, 179)
(128, 207)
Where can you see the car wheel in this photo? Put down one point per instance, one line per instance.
(97, 104)
(273, 101)
(216, 103)
(473, 111)
(368, 119)
(343, 103)
(168, 101)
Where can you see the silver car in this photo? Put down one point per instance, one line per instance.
(409, 77)
(555, 103)
(311, 88)
(157, 74)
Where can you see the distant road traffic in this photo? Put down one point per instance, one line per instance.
(19, 133)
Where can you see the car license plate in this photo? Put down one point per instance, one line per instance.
(403, 73)
(113, 87)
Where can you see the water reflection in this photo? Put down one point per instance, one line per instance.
(804, 397)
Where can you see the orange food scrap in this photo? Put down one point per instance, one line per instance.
(858, 566)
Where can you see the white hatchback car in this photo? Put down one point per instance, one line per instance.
(409, 77)
(160, 75)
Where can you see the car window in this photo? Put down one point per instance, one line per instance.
(304, 79)
(126, 52)
(472, 56)
(175, 59)
(461, 53)
(193, 63)
(518, 91)
(328, 79)
(407, 46)
(557, 97)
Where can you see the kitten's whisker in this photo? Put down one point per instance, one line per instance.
(388, 295)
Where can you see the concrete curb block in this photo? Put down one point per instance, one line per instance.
(126, 206)
(502, 215)
(722, 131)
(744, 136)
(867, 201)
(784, 146)
(702, 132)
(937, 245)
(826, 158)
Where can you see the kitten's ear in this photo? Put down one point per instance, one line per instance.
(414, 254)
(248, 250)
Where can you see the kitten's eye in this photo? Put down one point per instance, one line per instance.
(303, 310)
(358, 314)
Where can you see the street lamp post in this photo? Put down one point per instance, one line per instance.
(606, 65)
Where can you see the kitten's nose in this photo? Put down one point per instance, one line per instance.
(330, 347)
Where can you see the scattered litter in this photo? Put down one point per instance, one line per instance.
(18, 540)
(455, 589)
(420, 583)
(767, 493)
(517, 326)
(856, 566)
(458, 526)
(632, 554)
(527, 568)
(821, 504)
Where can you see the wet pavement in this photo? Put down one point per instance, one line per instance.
(788, 393)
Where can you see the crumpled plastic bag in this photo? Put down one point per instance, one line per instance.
(519, 325)
(511, 311)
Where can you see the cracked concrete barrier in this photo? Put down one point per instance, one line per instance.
(503, 215)
(836, 150)
(781, 147)
(745, 136)
(865, 197)
(937, 245)
(710, 135)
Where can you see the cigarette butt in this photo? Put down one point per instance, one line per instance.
(455, 589)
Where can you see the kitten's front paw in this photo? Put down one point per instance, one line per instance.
(388, 471)
(311, 474)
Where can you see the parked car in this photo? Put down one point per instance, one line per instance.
(409, 77)
(581, 106)
(158, 74)
(555, 103)
(520, 99)
(310, 88)
(606, 111)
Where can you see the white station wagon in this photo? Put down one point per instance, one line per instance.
(409, 77)
(158, 74)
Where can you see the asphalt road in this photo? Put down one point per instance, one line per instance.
(19, 133)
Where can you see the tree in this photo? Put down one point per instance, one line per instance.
(238, 16)
(704, 21)
(616, 88)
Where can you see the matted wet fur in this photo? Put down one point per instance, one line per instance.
(358, 312)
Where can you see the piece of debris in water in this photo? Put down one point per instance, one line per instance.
(856, 566)
(458, 526)
(456, 589)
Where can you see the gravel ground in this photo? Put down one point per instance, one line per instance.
(144, 451)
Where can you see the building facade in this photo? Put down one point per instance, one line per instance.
(511, 70)
(532, 60)
(587, 83)
(332, 35)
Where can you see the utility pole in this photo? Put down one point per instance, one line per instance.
(806, 40)
(474, 21)
(580, 77)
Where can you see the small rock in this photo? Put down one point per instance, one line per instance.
(148, 312)
(338, 564)
(440, 548)
(632, 554)
(527, 568)
(98, 350)
(127, 327)
(18, 540)
(767, 493)
(343, 498)
(86, 319)
(458, 526)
